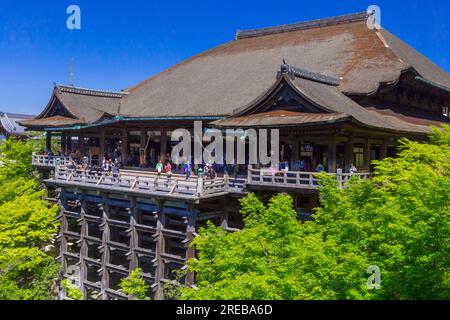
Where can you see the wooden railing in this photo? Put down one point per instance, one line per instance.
(49, 161)
(295, 179)
(179, 185)
(141, 181)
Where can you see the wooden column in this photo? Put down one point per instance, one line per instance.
(102, 144)
(383, 149)
(63, 143)
(163, 146)
(81, 143)
(190, 251)
(105, 240)
(48, 141)
(63, 228)
(125, 147)
(142, 151)
(332, 155)
(84, 246)
(69, 143)
(367, 154)
(134, 243)
(348, 153)
(159, 267)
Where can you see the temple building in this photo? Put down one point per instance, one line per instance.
(340, 94)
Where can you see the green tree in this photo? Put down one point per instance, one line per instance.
(135, 286)
(398, 221)
(28, 225)
(72, 291)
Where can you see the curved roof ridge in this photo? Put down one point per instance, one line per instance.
(347, 18)
(91, 92)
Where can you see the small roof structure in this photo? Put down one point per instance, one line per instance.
(9, 124)
(70, 106)
(315, 99)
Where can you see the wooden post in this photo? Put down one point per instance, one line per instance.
(81, 143)
(84, 247)
(339, 177)
(48, 141)
(163, 146)
(63, 143)
(199, 186)
(190, 251)
(105, 256)
(142, 151)
(367, 155)
(249, 173)
(159, 268)
(383, 149)
(332, 155)
(134, 243)
(348, 154)
(102, 144)
(69, 144)
(125, 146)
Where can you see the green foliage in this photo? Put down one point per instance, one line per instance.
(398, 221)
(72, 291)
(27, 228)
(135, 286)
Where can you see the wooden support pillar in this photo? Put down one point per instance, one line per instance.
(48, 141)
(105, 248)
(84, 245)
(367, 154)
(125, 146)
(332, 155)
(63, 228)
(63, 143)
(142, 151)
(69, 144)
(159, 267)
(190, 251)
(134, 243)
(102, 144)
(81, 143)
(349, 154)
(383, 149)
(163, 146)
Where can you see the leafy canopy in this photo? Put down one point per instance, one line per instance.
(28, 225)
(398, 221)
(135, 285)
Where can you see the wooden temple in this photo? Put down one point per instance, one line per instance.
(339, 93)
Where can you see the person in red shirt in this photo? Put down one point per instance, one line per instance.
(168, 169)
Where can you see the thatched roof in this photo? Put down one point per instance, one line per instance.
(355, 59)
(229, 76)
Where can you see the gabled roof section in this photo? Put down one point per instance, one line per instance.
(73, 105)
(332, 106)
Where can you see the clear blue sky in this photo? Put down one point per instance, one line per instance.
(124, 42)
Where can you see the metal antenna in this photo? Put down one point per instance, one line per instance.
(71, 74)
